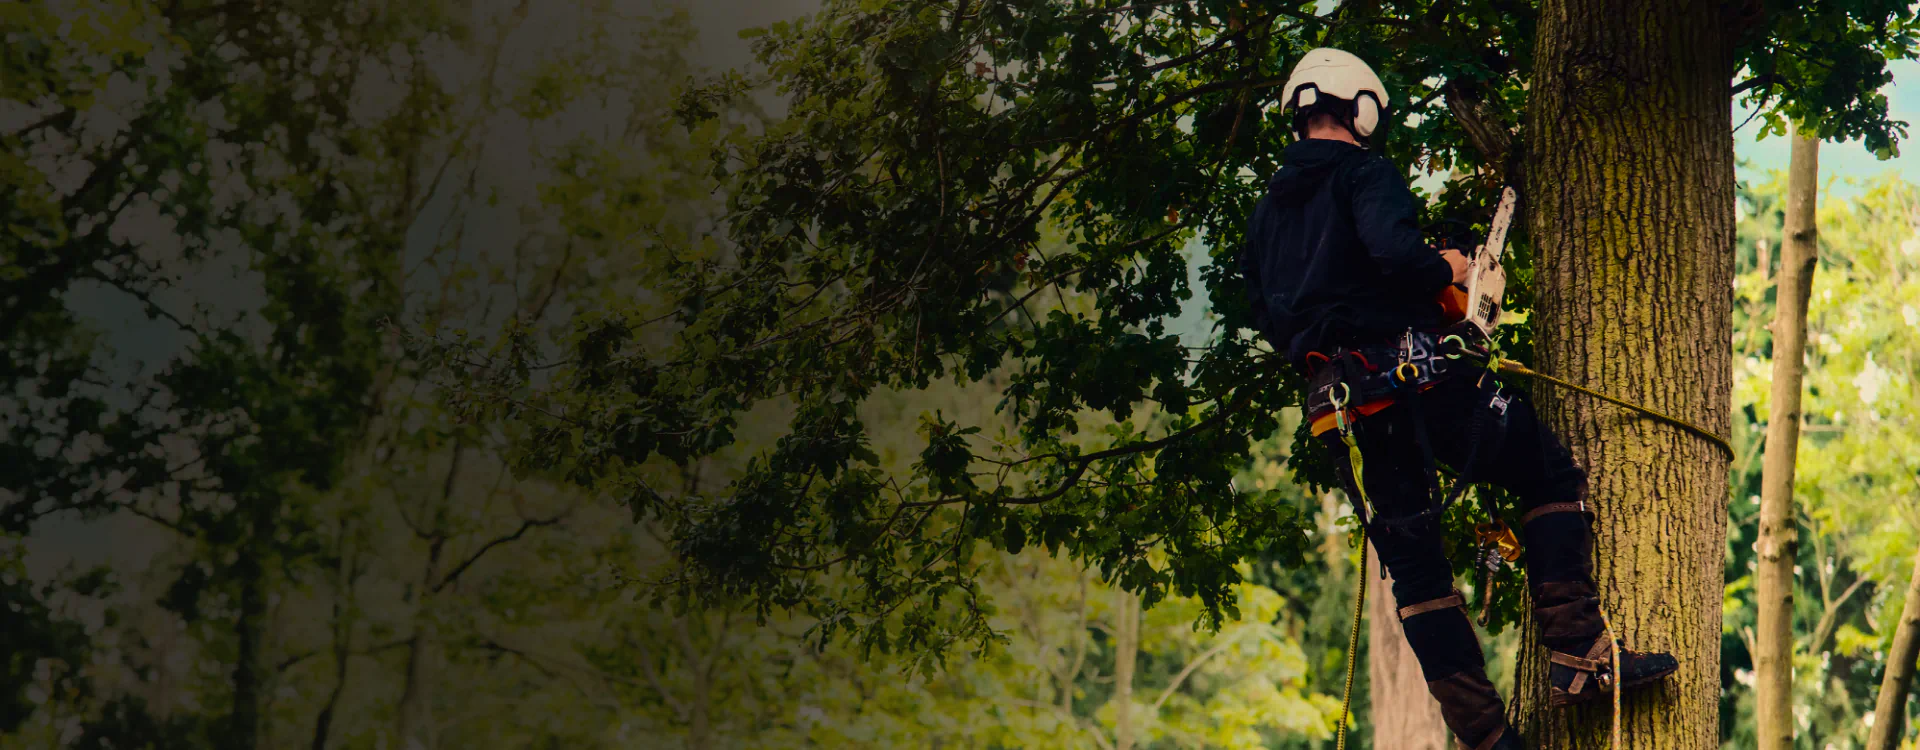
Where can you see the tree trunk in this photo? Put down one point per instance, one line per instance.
(416, 699)
(1405, 717)
(249, 676)
(1630, 193)
(1890, 711)
(1126, 652)
(1773, 584)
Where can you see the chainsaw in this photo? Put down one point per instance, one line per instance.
(1478, 301)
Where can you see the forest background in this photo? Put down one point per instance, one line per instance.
(247, 505)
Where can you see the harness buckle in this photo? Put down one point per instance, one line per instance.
(1499, 401)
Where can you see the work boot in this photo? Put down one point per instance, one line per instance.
(1509, 740)
(1443, 640)
(1566, 606)
(1578, 679)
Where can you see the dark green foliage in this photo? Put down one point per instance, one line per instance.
(1006, 189)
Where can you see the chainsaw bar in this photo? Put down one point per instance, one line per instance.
(1502, 219)
(1486, 280)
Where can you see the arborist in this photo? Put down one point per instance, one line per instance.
(1342, 283)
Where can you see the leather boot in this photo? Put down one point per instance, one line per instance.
(1509, 740)
(1468, 701)
(1579, 679)
(1566, 606)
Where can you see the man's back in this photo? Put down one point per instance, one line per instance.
(1334, 254)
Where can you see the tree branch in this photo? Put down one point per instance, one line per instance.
(485, 548)
(1830, 618)
(1485, 128)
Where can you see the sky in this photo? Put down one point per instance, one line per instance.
(1841, 162)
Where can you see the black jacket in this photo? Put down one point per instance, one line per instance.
(1334, 254)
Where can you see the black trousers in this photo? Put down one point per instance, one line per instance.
(1531, 463)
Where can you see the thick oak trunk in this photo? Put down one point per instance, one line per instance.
(1890, 711)
(1405, 716)
(1630, 197)
(1773, 577)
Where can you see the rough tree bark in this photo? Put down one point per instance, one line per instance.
(1890, 710)
(1630, 209)
(1405, 717)
(1778, 540)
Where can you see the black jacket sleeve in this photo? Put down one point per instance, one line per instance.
(1250, 274)
(1385, 215)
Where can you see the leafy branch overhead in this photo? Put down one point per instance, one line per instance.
(1006, 194)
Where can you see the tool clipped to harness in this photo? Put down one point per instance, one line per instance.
(1340, 396)
(1499, 547)
(1406, 372)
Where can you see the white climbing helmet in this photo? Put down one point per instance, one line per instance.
(1327, 72)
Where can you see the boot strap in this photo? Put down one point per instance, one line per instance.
(1578, 506)
(1486, 744)
(1431, 605)
(1595, 663)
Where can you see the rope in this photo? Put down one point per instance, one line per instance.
(1508, 365)
(1353, 643)
(1613, 651)
(1496, 362)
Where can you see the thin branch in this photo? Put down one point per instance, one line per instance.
(485, 548)
(1830, 618)
(291, 661)
(1181, 678)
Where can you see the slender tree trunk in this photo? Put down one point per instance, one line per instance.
(1405, 717)
(1890, 711)
(249, 676)
(1630, 211)
(700, 665)
(416, 698)
(341, 629)
(1773, 584)
(1126, 653)
(243, 725)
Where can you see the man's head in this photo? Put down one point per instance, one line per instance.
(1330, 126)
(1333, 94)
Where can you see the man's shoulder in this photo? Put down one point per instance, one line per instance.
(1371, 170)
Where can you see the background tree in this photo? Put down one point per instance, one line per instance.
(1773, 585)
(1855, 560)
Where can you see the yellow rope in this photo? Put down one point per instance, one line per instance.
(1353, 642)
(1508, 365)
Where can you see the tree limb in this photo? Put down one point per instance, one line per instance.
(485, 548)
(1830, 618)
(1484, 127)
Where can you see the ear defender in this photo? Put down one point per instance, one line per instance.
(1366, 113)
